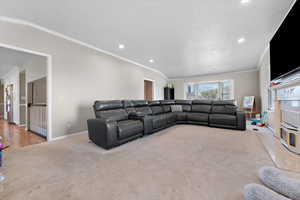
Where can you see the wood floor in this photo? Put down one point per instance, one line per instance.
(17, 136)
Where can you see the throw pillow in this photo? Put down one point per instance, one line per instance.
(176, 108)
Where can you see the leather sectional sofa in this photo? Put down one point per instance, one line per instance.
(118, 122)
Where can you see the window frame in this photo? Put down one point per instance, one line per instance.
(220, 89)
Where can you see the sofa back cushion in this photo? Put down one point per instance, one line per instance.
(140, 103)
(107, 105)
(142, 107)
(155, 107)
(166, 108)
(110, 110)
(113, 115)
(154, 103)
(224, 107)
(128, 106)
(145, 110)
(166, 105)
(156, 110)
(185, 104)
(202, 106)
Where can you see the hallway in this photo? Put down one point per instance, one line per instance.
(16, 136)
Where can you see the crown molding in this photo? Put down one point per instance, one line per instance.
(262, 56)
(41, 28)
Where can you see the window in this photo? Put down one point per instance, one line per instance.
(214, 90)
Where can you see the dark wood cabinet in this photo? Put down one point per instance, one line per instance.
(169, 93)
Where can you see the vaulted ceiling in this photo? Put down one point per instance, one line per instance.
(183, 38)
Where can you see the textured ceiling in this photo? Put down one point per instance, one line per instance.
(185, 38)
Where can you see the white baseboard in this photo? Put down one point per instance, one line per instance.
(69, 135)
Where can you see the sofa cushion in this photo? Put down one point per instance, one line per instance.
(110, 110)
(107, 105)
(130, 110)
(112, 115)
(167, 102)
(223, 119)
(181, 116)
(197, 117)
(127, 103)
(201, 102)
(145, 110)
(154, 103)
(183, 102)
(186, 105)
(156, 110)
(186, 108)
(140, 103)
(201, 108)
(159, 121)
(224, 109)
(166, 105)
(170, 117)
(224, 102)
(128, 106)
(129, 128)
(166, 108)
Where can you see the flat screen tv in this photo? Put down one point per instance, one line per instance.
(285, 45)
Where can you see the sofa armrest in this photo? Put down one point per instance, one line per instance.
(103, 132)
(148, 127)
(146, 119)
(241, 120)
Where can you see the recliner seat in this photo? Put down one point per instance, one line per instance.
(199, 112)
(186, 106)
(118, 122)
(224, 114)
(112, 125)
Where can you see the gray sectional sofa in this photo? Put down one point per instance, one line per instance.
(119, 121)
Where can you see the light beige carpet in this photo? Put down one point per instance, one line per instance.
(180, 163)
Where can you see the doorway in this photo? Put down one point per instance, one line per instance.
(24, 120)
(148, 90)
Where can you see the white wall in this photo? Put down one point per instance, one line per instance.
(80, 75)
(264, 79)
(245, 84)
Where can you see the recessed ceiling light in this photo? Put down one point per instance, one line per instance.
(241, 40)
(245, 2)
(151, 61)
(121, 46)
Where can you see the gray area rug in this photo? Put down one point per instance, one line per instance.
(180, 163)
